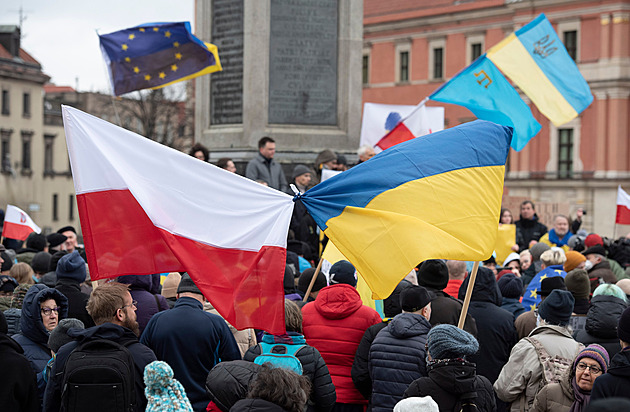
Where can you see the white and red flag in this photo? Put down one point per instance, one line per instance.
(623, 207)
(146, 208)
(17, 224)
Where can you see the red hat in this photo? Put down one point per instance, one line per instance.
(592, 240)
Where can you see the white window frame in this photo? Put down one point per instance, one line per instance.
(474, 39)
(401, 47)
(437, 44)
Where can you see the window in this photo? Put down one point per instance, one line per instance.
(26, 152)
(438, 63)
(26, 105)
(570, 42)
(49, 140)
(6, 102)
(71, 208)
(569, 31)
(475, 51)
(55, 207)
(402, 61)
(366, 69)
(404, 66)
(5, 149)
(565, 153)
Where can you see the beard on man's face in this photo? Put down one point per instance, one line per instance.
(131, 324)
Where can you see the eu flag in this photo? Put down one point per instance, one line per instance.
(155, 55)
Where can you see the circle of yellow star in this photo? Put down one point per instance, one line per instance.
(162, 75)
(178, 56)
(127, 59)
(176, 44)
(167, 33)
(132, 36)
(147, 77)
(125, 47)
(174, 67)
(136, 70)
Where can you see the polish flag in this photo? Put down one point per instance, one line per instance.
(623, 207)
(420, 120)
(146, 208)
(17, 224)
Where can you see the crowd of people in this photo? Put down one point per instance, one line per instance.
(547, 328)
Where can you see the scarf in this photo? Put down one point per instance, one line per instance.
(582, 397)
(553, 238)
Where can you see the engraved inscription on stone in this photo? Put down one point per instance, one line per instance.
(226, 98)
(303, 62)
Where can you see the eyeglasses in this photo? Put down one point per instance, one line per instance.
(134, 303)
(49, 311)
(594, 369)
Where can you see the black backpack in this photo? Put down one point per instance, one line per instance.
(99, 375)
(466, 403)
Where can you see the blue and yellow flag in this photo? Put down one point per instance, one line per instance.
(155, 55)
(434, 197)
(483, 90)
(531, 298)
(537, 61)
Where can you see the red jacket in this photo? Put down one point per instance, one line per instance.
(453, 287)
(335, 324)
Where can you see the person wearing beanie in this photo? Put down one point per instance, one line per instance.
(71, 272)
(50, 278)
(305, 280)
(575, 260)
(149, 303)
(40, 264)
(511, 288)
(513, 263)
(579, 285)
(560, 234)
(59, 337)
(301, 178)
(592, 240)
(35, 242)
(334, 324)
(616, 381)
(598, 267)
(263, 167)
(164, 393)
(397, 353)
(207, 336)
(417, 404)
(326, 159)
(452, 378)
(169, 288)
(433, 275)
(573, 391)
(520, 379)
(529, 226)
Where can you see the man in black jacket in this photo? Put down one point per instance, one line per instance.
(528, 226)
(70, 274)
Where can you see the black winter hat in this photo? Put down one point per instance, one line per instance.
(7, 264)
(623, 328)
(71, 266)
(67, 229)
(54, 260)
(597, 249)
(550, 284)
(413, 298)
(59, 336)
(557, 308)
(36, 241)
(299, 170)
(186, 284)
(510, 286)
(433, 273)
(40, 262)
(8, 284)
(305, 280)
(55, 239)
(343, 272)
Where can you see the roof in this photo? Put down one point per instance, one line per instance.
(26, 58)
(8, 28)
(53, 88)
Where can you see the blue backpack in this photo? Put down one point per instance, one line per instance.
(280, 355)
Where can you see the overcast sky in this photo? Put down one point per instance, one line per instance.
(61, 34)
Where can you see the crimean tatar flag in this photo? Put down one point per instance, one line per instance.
(146, 208)
(437, 197)
(155, 55)
(537, 61)
(17, 224)
(623, 207)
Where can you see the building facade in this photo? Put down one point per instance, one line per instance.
(411, 48)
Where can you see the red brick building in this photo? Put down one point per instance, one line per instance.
(412, 47)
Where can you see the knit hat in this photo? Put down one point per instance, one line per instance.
(36, 241)
(557, 308)
(549, 284)
(59, 336)
(299, 170)
(55, 239)
(510, 286)
(595, 250)
(574, 258)
(595, 352)
(449, 342)
(67, 229)
(623, 328)
(413, 298)
(592, 240)
(8, 262)
(18, 295)
(578, 284)
(7, 284)
(433, 273)
(537, 250)
(54, 260)
(163, 392)
(417, 404)
(169, 287)
(325, 156)
(40, 262)
(343, 272)
(511, 258)
(305, 280)
(71, 266)
(186, 284)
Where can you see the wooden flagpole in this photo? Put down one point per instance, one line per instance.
(310, 286)
(469, 289)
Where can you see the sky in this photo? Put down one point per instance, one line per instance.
(62, 34)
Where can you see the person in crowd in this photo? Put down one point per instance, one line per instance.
(607, 305)
(305, 280)
(163, 391)
(456, 274)
(527, 322)
(573, 391)
(301, 178)
(148, 303)
(23, 273)
(263, 167)
(7, 286)
(200, 152)
(506, 217)
(536, 266)
(245, 338)
(169, 288)
(511, 288)
(228, 383)
(35, 242)
(552, 265)
(14, 313)
(71, 272)
(365, 152)
(322, 396)
(114, 313)
(72, 242)
(40, 264)
(452, 380)
(227, 164)
(594, 239)
(50, 278)
(6, 263)
(513, 263)
(559, 235)
(616, 381)
(397, 353)
(56, 242)
(334, 324)
(579, 285)
(528, 225)
(206, 335)
(42, 309)
(575, 260)
(525, 257)
(598, 267)
(18, 383)
(490, 263)
(520, 379)
(342, 163)
(326, 159)
(433, 275)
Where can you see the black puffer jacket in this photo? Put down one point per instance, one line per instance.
(452, 380)
(360, 368)
(228, 382)
(397, 358)
(18, 391)
(601, 323)
(446, 309)
(530, 229)
(616, 382)
(497, 334)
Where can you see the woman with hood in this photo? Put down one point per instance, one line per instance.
(141, 288)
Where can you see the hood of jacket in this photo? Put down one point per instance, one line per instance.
(485, 288)
(31, 320)
(338, 301)
(109, 331)
(227, 382)
(137, 282)
(603, 316)
(620, 364)
(407, 325)
(456, 376)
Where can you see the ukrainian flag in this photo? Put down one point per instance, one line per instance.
(537, 61)
(434, 197)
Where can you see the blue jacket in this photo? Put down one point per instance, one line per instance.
(191, 341)
(397, 358)
(513, 306)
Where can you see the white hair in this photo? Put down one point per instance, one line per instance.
(363, 149)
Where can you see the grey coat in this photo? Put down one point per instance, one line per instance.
(259, 169)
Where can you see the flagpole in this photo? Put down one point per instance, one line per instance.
(469, 289)
(310, 285)
(418, 107)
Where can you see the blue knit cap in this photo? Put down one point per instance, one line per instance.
(450, 342)
(164, 394)
(71, 266)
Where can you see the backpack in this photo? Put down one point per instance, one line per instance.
(466, 403)
(554, 367)
(99, 375)
(283, 358)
